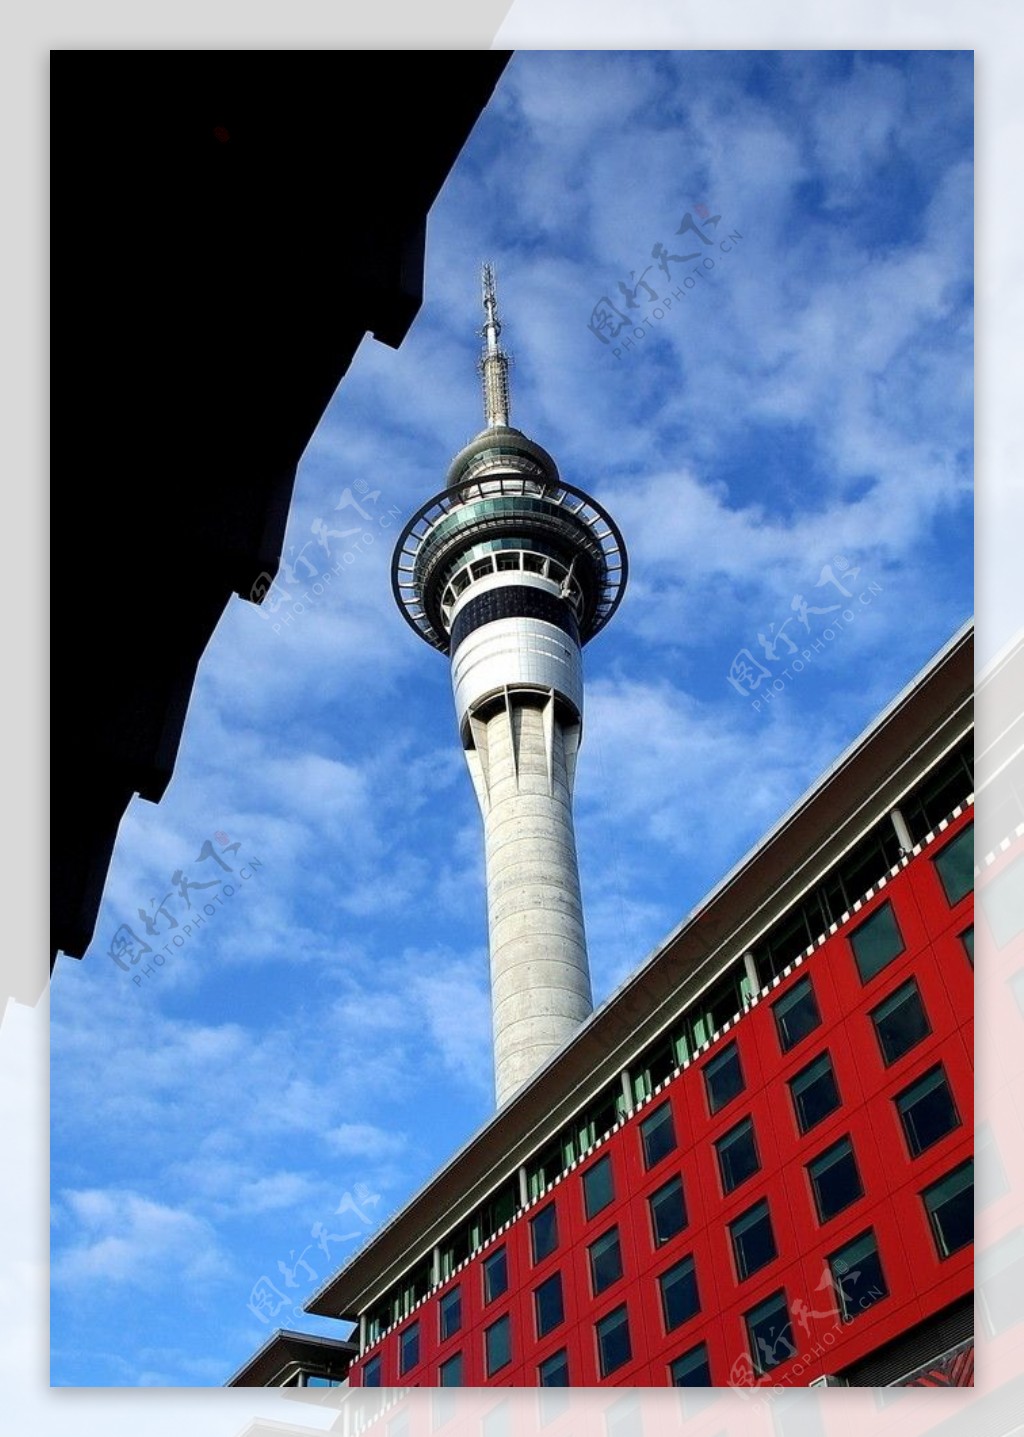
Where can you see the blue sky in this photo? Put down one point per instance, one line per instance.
(313, 1052)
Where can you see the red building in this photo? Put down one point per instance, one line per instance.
(754, 1162)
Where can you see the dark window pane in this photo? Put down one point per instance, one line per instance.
(876, 942)
(658, 1135)
(737, 1155)
(753, 1242)
(498, 1345)
(450, 1308)
(605, 1261)
(796, 1014)
(723, 1078)
(451, 1371)
(409, 1347)
(544, 1232)
(770, 1333)
(955, 865)
(815, 1092)
(547, 1302)
(613, 1343)
(835, 1179)
(598, 1189)
(900, 1022)
(927, 1111)
(371, 1372)
(554, 1372)
(967, 939)
(679, 1297)
(857, 1276)
(950, 1207)
(668, 1211)
(496, 1274)
(692, 1369)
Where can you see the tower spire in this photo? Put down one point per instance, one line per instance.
(494, 360)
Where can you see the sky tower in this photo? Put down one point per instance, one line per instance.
(510, 571)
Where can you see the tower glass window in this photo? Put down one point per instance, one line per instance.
(498, 1345)
(692, 1369)
(544, 1233)
(900, 1022)
(680, 1299)
(598, 1186)
(723, 1078)
(554, 1370)
(450, 1372)
(613, 1345)
(409, 1347)
(737, 1155)
(371, 1372)
(450, 1313)
(857, 1276)
(605, 1261)
(753, 1242)
(949, 1204)
(955, 865)
(548, 1306)
(815, 1092)
(927, 1111)
(876, 942)
(668, 1211)
(967, 939)
(796, 1014)
(658, 1135)
(770, 1333)
(495, 1274)
(835, 1180)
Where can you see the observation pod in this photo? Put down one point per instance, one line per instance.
(510, 571)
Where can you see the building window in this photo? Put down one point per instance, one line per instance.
(692, 1369)
(544, 1233)
(949, 1204)
(668, 1211)
(796, 1014)
(371, 1372)
(876, 942)
(450, 1312)
(658, 1135)
(770, 1333)
(927, 1111)
(857, 1276)
(496, 1274)
(409, 1347)
(450, 1372)
(753, 1242)
(967, 939)
(548, 1308)
(498, 1345)
(900, 1022)
(613, 1345)
(815, 1092)
(835, 1180)
(554, 1371)
(605, 1261)
(955, 865)
(723, 1078)
(680, 1299)
(598, 1187)
(737, 1155)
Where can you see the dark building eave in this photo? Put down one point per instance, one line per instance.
(286, 1352)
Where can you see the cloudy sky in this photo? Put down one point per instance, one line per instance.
(312, 1052)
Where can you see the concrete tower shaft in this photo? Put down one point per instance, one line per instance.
(510, 571)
